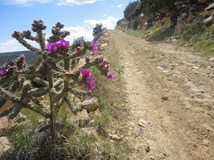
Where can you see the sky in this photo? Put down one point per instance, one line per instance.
(78, 16)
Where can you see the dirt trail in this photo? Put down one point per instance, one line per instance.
(171, 100)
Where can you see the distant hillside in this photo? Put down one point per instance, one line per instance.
(9, 56)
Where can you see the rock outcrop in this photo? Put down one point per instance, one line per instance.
(187, 12)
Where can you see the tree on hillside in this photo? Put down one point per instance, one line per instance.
(132, 10)
(98, 29)
(155, 8)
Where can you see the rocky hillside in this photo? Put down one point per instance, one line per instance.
(142, 14)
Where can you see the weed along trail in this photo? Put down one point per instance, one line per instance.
(170, 98)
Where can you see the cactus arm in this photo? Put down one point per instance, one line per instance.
(2, 102)
(41, 39)
(8, 95)
(41, 82)
(57, 84)
(28, 46)
(24, 98)
(37, 110)
(38, 92)
(69, 104)
(13, 88)
(15, 99)
(78, 93)
(15, 111)
(40, 104)
(7, 112)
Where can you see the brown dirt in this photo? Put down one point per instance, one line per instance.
(170, 95)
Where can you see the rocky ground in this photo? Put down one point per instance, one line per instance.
(170, 97)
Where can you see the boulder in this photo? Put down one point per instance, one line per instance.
(4, 123)
(102, 46)
(81, 118)
(5, 145)
(208, 21)
(210, 7)
(90, 104)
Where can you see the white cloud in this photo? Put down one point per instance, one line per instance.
(58, 2)
(25, 2)
(79, 31)
(77, 2)
(109, 22)
(119, 5)
(12, 45)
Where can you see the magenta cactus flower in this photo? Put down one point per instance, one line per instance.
(90, 81)
(57, 46)
(53, 47)
(64, 44)
(85, 72)
(3, 71)
(110, 75)
(94, 46)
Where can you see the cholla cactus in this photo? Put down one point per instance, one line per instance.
(57, 74)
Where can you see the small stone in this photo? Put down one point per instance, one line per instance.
(142, 123)
(152, 158)
(196, 67)
(104, 45)
(82, 117)
(205, 142)
(208, 21)
(97, 114)
(101, 131)
(3, 123)
(20, 118)
(101, 49)
(148, 149)
(211, 59)
(92, 123)
(163, 66)
(115, 137)
(211, 74)
(164, 99)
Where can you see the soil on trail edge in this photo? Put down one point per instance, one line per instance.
(171, 100)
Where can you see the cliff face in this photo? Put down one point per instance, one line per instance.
(186, 12)
(139, 22)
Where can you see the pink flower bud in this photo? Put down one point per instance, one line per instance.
(78, 49)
